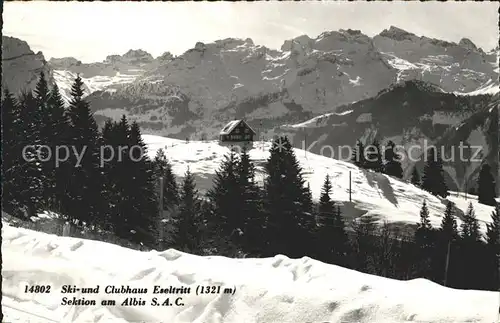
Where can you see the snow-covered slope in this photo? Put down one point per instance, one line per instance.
(384, 197)
(278, 289)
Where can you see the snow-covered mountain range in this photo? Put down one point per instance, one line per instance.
(395, 85)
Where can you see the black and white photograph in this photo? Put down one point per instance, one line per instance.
(250, 162)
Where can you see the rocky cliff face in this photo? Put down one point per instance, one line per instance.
(210, 84)
(416, 116)
(21, 67)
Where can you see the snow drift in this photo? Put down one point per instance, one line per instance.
(275, 289)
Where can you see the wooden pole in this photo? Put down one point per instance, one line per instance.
(350, 187)
(305, 143)
(160, 202)
(447, 264)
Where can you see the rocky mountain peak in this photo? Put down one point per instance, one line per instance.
(397, 34)
(21, 66)
(12, 47)
(137, 53)
(64, 62)
(231, 43)
(300, 43)
(167, 56)
(467, 43)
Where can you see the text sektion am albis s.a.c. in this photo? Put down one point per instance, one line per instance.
(112, 295)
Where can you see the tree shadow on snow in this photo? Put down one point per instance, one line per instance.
(381, 183)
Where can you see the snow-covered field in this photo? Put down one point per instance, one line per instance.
(381, 196)
(268, 290)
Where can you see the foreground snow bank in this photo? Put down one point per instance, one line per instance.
(273, 290)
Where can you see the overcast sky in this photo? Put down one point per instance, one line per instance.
(90, 31)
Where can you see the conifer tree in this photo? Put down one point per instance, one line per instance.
(471, 251)
(116, 140)
(415, 177)
(470, 227)
(433, 178)
(326, 219)
(493, 247)
(226, 197)
(163, 168)
(392, 165)
(448, 229)
(41, 95)
(486, 186)
(424, 239)
(84, 187)
(108, 165)
(326, 205)
(332, 237)
(374, 157)
(447, 241)
(363, 241)
(358, 156)
(143, 211)
(58, 140)
(287, 203)
(493, 228)
(251, 209)
(11, 151)
(28, 173)
(425, 224)
(188, 222)
(342, 246)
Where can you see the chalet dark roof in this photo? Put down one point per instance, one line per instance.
(231, 125)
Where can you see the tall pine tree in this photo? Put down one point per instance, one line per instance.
(142, 214)
(28, 174)
(84, 185)
(332, 238)
(163, 168)
(290, 222)
(188, 222)
(486, 186)
(433, 178)
(470, 226)
(493, 247)
(11, 152)
(446, 255)
(58, 141)
(251, 207)
(226, 197)
(424, 240)
(392, 164)
(471, 250)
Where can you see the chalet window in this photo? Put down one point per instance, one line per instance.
(247, 136)
(247, 130)
(236, 130)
